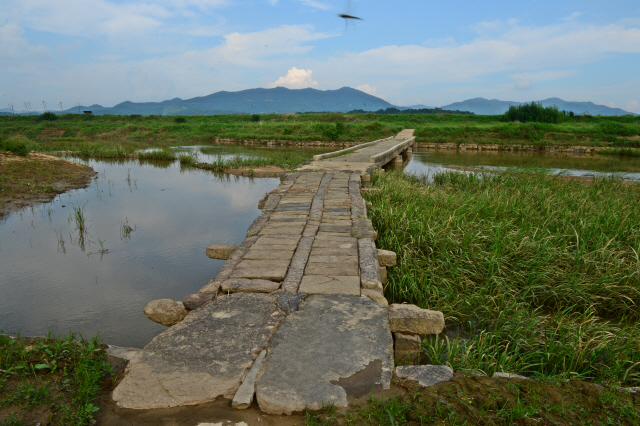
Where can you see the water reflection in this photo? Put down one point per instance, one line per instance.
(145, 230)
(429, 161)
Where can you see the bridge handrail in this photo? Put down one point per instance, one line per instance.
(335, 153)
(386, 156)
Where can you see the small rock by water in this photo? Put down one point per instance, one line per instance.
(165, 311)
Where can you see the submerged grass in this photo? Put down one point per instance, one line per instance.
(283, 160)
(526, 268)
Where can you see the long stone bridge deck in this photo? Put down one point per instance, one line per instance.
(297, 315)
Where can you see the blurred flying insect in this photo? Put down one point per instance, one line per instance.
(347, 16)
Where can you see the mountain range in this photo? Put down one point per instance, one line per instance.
(282, 100)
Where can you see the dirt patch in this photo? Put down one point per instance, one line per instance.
(37, 178)
(265, 171)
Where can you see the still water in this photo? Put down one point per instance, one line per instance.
(52, 280)
(429, 162)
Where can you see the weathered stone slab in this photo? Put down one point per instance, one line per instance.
(330, 251)
(271, 273)
(362, 228)
(165, 311)
(333, 237)
(194, 301)
(405, 318)
(244, 396)
(122, 352)
(426, 375)
(272, 202)
(205, 356)
(342, 268)
(311, 229)
(330, 284)
(327, 227)
(257, 224)
(351, 260)
(407, 349)
(369, 267)
(376, 296)
(265, 254)
(277, 239)
(387, 257)
(282, 230)
(243, 285)
(221, 251)
(333, 346)
(296, 267)
(212, 287)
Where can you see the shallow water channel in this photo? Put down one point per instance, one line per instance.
(50, 279)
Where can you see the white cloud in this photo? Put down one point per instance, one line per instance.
(524, 80)
(296, 79)
(367, 89)
(315, 4)
(15, 51)
(633, 106)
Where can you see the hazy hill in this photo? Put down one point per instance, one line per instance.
(496, 107)
(253, 101)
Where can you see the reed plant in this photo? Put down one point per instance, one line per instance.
(535, 274)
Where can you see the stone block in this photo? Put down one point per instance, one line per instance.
(269, 254)
(407, 349)
(330, 284)
(374, 295)
(410, 319)
(334, 347)
(425, 375)
(383, 274)
(221, 251)
(509, 376)
(194, 301)
(369, 267)
(243, 398)
(277, 240)
(212, 287)
(387, 257)
(242, 285)
(271, 273)
(329, 251)
(165, 311)
(362, 228)
(341, 268)
(205, 356)
(296, 268)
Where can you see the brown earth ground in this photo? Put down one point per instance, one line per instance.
(37, 178)
(464, 400)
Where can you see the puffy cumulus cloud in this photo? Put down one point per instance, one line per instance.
(633, 106)
(367, 89)
(296, 79)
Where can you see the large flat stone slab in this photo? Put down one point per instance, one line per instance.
(330, 284)
(205, 356)
(331, 347)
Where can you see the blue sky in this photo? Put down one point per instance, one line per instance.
(405, 51)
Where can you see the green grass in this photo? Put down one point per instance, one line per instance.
(535, 274)
(286, 161)
(61, 374)
(71, 131)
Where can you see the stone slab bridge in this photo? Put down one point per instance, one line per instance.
(297, 315)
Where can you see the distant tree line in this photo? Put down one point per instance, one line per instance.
(412, 111)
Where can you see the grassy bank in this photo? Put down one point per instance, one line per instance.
(51, 380)
(285, 161)
(35, 177)
(71, 131)
(535, 275)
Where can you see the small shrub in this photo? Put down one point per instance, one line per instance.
(17, 144)
(335, 132)
(255, 118)
(134, 116)
(47, 116)
(180, 120)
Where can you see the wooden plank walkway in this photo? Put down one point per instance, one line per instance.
(308, 271)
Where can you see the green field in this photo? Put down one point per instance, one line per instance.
(72, 131)
(535, 274)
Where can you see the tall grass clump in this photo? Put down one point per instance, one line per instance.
(16, 144)
(533, 112)
(157, 154)
(536, 274)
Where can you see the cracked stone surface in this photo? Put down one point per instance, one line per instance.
(326, 343)
(425, 375)
(205, 356)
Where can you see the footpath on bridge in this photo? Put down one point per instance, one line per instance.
(297, 315)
